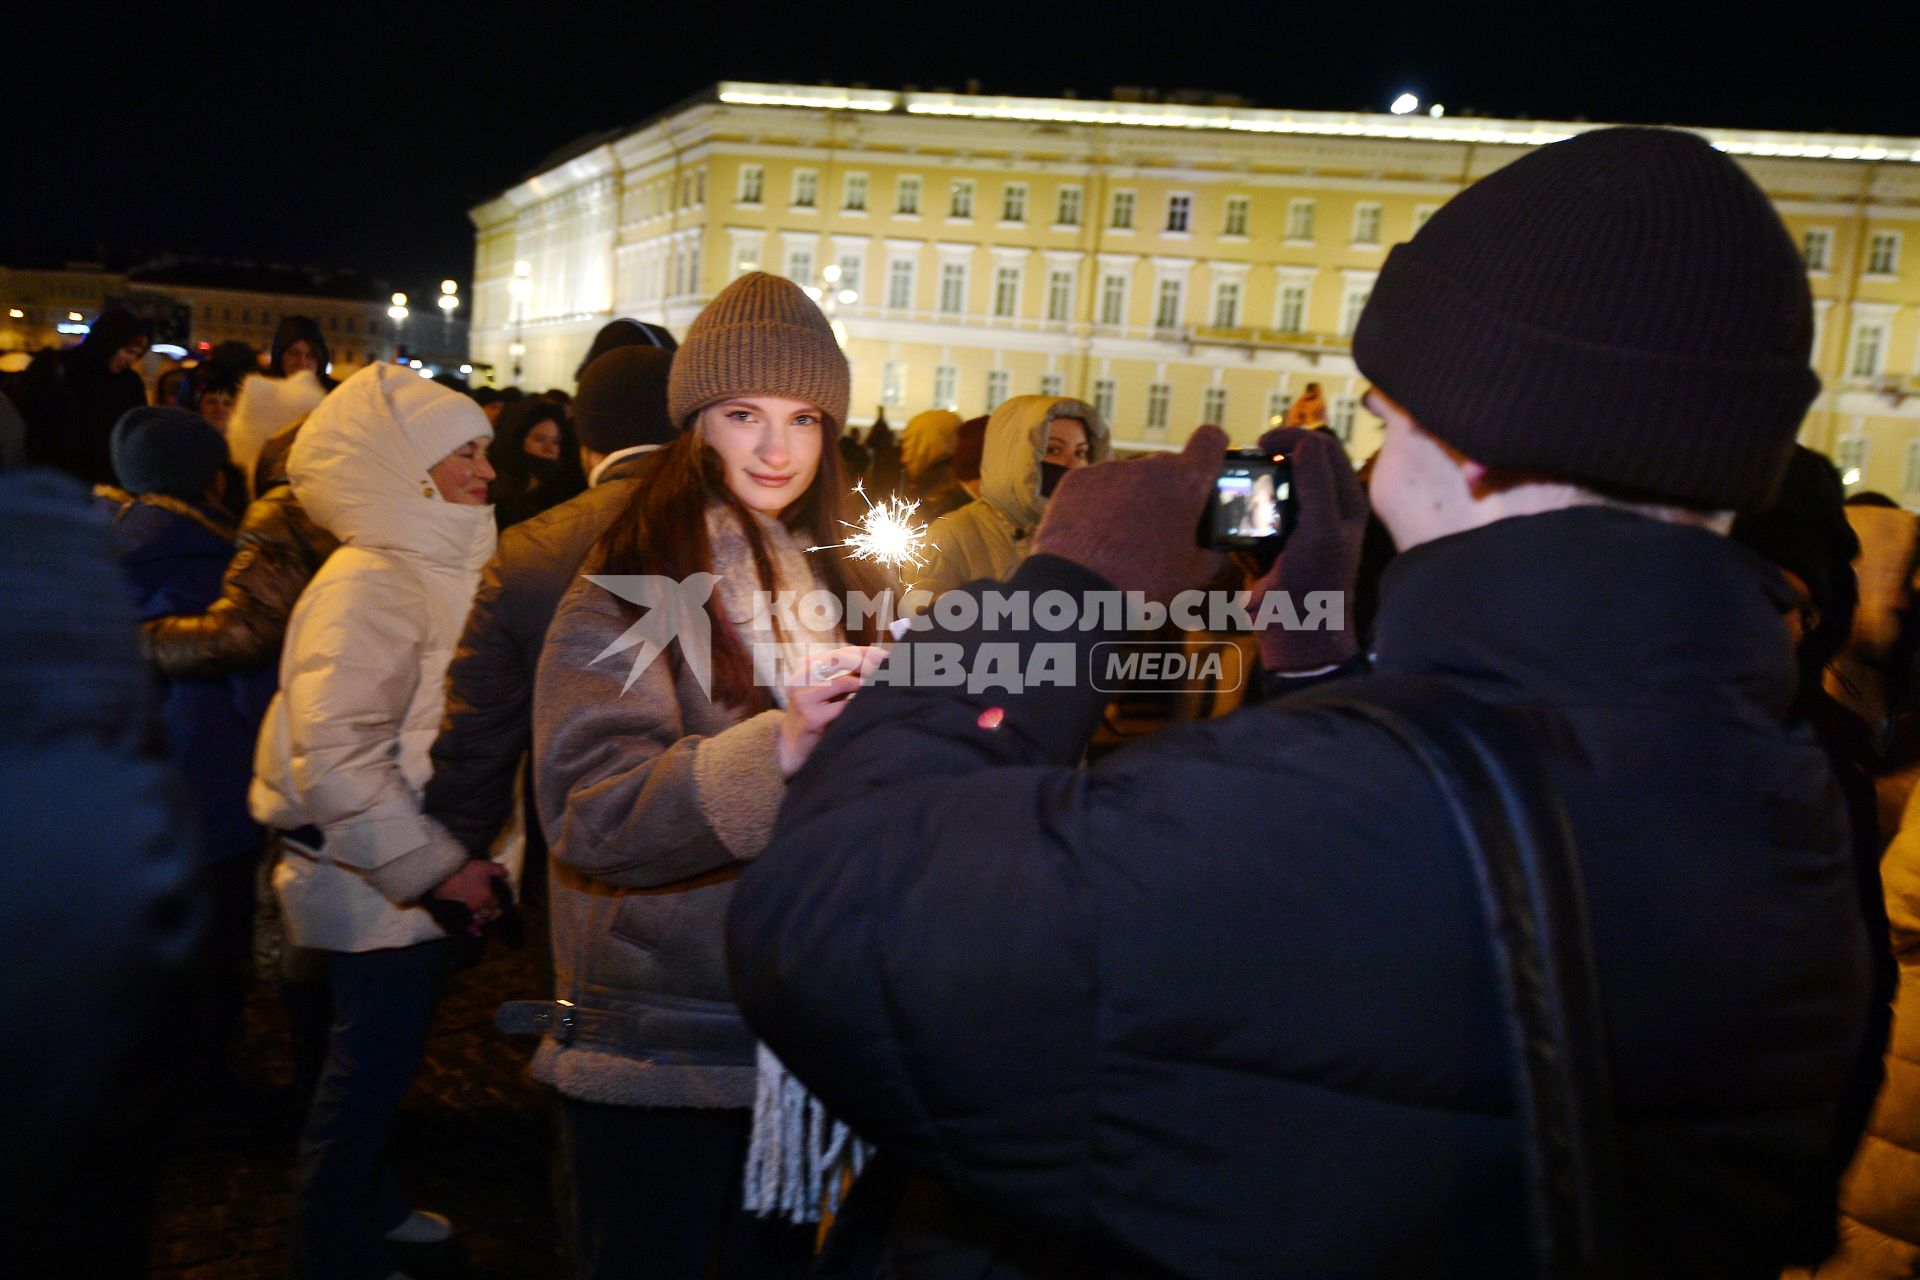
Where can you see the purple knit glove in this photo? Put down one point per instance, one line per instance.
(1322, 553)
(1136, 523)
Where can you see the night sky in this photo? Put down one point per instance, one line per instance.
(283, 135)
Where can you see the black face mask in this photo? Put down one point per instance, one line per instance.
(1051, 473)
(545, 470)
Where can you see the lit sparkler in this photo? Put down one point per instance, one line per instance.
(887, 534)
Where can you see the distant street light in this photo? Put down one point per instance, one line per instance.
(398, 312)
(1405, 104)
(519, 288)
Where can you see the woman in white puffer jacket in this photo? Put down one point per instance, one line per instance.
(395, 467)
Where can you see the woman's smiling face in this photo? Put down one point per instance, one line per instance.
(769, 448)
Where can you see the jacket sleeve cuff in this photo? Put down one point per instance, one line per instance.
(411, 876)
(737, 774)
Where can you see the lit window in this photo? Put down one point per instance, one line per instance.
(1236, 224)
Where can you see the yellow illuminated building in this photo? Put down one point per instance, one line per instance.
(1172, 264)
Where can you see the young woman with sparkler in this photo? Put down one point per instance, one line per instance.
(658, 776)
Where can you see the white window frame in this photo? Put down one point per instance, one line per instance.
(753, 185)
(1340, 418)
(1063, 215)
(1239, 214)
(1213, 405)
(800, 254)
(1169, 301)
(853, 271)
(1911, 483)
(1278, 402)
(1353, 301)
(1287, 287)
(1882, 329)
(1367, 217)
(1106, 393)
(1159, 402)
(1891, 265)
(1302, 211)
(854, 191)
(1060, 282)
(1850, 454)
(893, 384)
(1053, 384)
(806, 189)
(946, 387)
(999, 388)
(953, 278)
(959, 198)
(1228, 292)
(1007, 280)
(1123, 202)
(1825, 239)
(895, 278)
(1179, 214)
(1013, 203)
(906, 196)
(1107, 292)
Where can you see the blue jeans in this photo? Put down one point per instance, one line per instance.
(345, 1198)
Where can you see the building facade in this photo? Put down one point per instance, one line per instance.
(1171, 264)
(41, 308)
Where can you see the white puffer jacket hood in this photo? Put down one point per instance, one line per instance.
(345, 747)
(360, 467)
(264, 408)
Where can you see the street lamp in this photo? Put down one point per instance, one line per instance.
(832, 299)
(398, 311)
(448, 300)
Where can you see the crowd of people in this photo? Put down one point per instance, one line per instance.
(857, 975)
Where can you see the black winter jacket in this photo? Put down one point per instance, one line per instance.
(1223, 1004)
(489, 717)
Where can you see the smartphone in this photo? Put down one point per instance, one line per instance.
(1252, 504)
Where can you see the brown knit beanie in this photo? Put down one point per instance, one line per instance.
(623, 400)
(761, 337)
(1622, 309)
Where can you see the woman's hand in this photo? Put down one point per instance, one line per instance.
(472, 887)
(817, 698)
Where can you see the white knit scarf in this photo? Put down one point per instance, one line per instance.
(798, 1154)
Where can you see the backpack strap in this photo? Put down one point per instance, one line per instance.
(1510, 818)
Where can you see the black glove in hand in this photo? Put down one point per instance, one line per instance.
(1321, 554)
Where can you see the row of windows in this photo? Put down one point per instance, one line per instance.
(268, 318)
(1290, 311)
(1068, 205)
(1883, 251)
(1214, 407)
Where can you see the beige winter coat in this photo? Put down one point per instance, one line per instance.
(345, 743)
(989, 537)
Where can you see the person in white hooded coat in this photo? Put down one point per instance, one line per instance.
(395, 467)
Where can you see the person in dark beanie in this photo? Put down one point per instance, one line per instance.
(621, 413)
(625, 333)
(299, 346)
(1228, 1002)
(70, 399)
(174, 540)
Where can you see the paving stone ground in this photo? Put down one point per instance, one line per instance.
(473, 1142)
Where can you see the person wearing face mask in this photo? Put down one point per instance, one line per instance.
(536, 461)
(657, 782)
(71, 399)
(1031, 442)
(395, 467)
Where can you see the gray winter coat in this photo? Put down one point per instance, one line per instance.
(651, 800)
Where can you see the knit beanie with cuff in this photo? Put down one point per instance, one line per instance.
(1623, 310)
(762, 336)
(622, 400)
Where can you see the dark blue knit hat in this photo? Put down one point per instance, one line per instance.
(161, 449)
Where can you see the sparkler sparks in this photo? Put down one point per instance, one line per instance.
(887, 534)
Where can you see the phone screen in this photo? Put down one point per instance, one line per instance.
(1250, 501)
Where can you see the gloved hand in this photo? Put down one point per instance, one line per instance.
(1321, 554)
(1136, 523)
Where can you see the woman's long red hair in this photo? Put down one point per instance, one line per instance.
(663, 532)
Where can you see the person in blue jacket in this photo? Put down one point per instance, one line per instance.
(174, 539)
